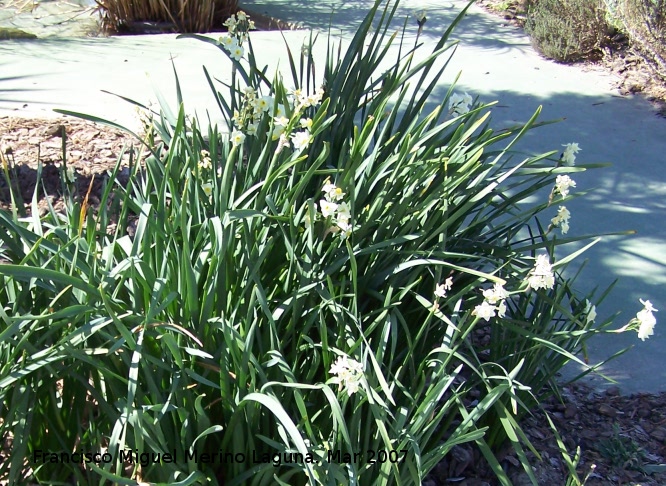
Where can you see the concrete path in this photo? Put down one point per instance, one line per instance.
(496, 62)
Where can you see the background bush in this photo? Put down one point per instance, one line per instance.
(645, 23)
(567, 30)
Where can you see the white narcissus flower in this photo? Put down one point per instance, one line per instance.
(349, 374)
(300, 140)
(237, 137)
(227, 42)
(345, 228)
(562, 219)
(563, 183)
(264, 103)
(230, 23)
(252, 128)
(564, 227)
(590, 312)
(541, 276)
(236, 52)
(460, 104)
(306, 123)
(207, 189)
(344, 213)
(281, 121)
(484, 311)
(569, 155)
(327, 187)
(648, 305)
(332, 192)
(442, 289)
(501, 309)
(277, 133)
(496, 294)
(327, 208)
(646, 320)
(278, 111)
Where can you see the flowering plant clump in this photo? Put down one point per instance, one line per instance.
(211, 321)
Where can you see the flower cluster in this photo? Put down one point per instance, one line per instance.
(301, 101)
(646, 320)
(442, 289)
(541, 276)
(237, 27)
(253, 107)
(562, 219)
(349, 374)
(204, 161)
(562, 185)
(332, 207)
(459, 104)
(569, 154)
(494, 300)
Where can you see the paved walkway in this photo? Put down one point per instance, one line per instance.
(497, 63)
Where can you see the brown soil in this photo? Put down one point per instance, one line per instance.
(623, 437)
(91, 151)
(622, 441)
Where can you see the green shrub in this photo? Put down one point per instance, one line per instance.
(186, 16)
(310, 282)
(645, 22)
(567, 30)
